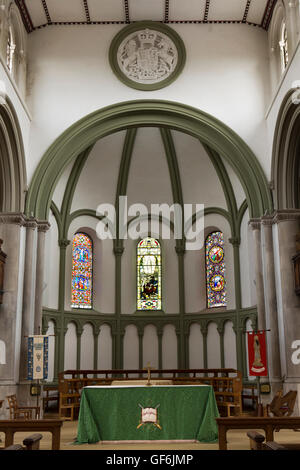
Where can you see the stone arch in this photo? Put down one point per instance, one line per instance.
(147, 113)
(285, 159)
(12, 160)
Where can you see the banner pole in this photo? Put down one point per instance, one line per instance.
(260, 411)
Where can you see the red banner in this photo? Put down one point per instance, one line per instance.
(257, 353)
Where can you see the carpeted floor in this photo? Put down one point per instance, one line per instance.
(237, 440)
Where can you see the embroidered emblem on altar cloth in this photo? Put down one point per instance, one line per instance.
(149, 416)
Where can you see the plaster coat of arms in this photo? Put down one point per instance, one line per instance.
(147, 56)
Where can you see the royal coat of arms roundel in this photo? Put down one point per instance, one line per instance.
(147, 55)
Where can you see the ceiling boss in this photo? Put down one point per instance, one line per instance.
(147, 55)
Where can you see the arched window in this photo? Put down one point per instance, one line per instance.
(148, 274)
(283, 43)
(15, 47)
(10, 49)
(82, 271)
(215, 270)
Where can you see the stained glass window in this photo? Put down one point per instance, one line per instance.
(148, 274)
(215, 270)
(82, 271)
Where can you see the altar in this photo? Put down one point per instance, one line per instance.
(147, 413)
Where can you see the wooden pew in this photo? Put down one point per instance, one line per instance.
(268, 424)
(227, 384)
(31, 442)
(10, 427)
(257, 443)
(69, 400)
(51, 394)
(249, 393)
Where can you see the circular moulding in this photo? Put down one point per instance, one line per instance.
(147, 55)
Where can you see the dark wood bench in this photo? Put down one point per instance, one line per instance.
(10, 427)
(257, 442)
(31, 442)
(268, 424)
(50, 395)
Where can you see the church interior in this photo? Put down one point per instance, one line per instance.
(117, 119)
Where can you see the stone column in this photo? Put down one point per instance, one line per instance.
(140, 335)
(220, 329)
(257, 255)
(271, 304)
(39, 286)
(79, 331)
(118, 251)
(160, 353)
(235, 242)
(180, 250)
(13, 235)
(28, 293)
(97, 330)
(204, 331)
(285, 229)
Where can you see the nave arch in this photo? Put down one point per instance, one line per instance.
(12, 160)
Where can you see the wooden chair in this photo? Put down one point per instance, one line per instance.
(282, 405)
(17, 412)
(31, 442)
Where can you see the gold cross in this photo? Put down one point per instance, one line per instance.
(148, 369)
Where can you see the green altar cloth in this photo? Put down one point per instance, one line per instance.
(117, 413)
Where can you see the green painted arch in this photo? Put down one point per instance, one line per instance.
(148, 113)
(285, 158)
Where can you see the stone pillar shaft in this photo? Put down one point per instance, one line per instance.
(255, 224)
(40, 263)
(28, 293)
(286, 227)
(270, 302)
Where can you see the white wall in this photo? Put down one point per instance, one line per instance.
(131, 348)
(226, 75)
(104, 348)
(196, 347)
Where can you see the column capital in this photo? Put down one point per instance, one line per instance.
(221, 328)
(63, 243)
(286, 215)
(255, 224)
(180, 250)
(267, 220)
(204, 328)
(118, 250)
(235, 241)
(43, 225)
(30, 222)
(15, 218)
